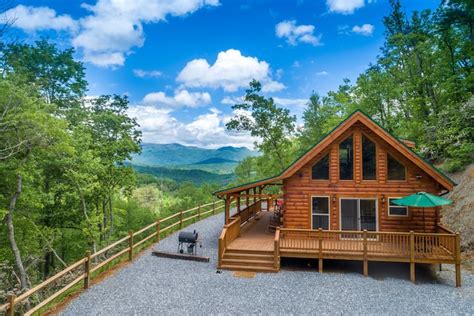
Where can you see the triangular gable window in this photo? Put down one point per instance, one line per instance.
(320, 170)
(395, 169)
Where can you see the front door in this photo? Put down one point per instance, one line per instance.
(359, 214)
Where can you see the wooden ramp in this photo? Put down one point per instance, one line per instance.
(253, 249)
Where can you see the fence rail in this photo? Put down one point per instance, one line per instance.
(372, 246)
(87, 266)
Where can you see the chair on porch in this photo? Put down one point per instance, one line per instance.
(277, 216)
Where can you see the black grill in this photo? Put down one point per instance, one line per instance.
(188, 239)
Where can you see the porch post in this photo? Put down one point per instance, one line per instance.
(227, 209)
(247, 198)
(412, 257)
(458, 260)
(238, 203)
(254, 190)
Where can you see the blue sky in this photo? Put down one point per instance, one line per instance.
(184, 63)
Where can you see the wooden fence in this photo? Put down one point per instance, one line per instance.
(89, 266)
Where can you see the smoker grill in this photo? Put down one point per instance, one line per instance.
(188, 240)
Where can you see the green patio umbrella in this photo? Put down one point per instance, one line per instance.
(422, 199)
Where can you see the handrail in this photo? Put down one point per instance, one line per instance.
(276, 246)
(89, 269)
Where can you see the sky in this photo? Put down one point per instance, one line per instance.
(184, 63)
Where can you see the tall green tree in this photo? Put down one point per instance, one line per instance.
(272, 125)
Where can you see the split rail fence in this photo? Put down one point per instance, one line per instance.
(93, 264)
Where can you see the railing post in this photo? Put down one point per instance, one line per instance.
(320, 248)
(130, 244)
(180, 219)
(366, 263)
(458, 260)
(11, 308)
(221, 252)
(87, 269)
(277, 250)
(412, 257)
(158, 230)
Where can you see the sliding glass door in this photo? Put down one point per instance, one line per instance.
(358, 214)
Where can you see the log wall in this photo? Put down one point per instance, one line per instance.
(299, 188)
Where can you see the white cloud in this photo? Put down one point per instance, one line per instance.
(232, 100)
(365, 29)
(322, 73)
(181, 98)
(207, 130)
(112, 29)
(115, 27)
(344, 6)
(140, 73)
(290, 102)
(285, 102)
(31, 19)
(230, 71)
(297, 33)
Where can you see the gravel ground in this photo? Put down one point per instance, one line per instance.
(153, 285)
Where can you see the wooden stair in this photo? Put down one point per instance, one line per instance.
(248, 260)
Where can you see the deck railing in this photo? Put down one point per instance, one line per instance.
(96, 263)
(249, 212)
(232, 230)
(372, 246)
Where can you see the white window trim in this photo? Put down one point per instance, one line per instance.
(358, 210)
(389, 206)
(321, 214)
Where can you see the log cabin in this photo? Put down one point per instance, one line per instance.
(336, 202)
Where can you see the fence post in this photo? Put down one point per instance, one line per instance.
(158, 230)
(130, 244)
(87, 269)
(180, 219)
(412, 257)
(214, 208)
(11, 308)
(199, 212)
(366, 263)
(320, 246)
(458, 260)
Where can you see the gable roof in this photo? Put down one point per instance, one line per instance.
(341, 128)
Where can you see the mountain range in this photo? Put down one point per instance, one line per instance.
(180, 155)
(190, 163)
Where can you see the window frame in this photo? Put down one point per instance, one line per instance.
(328, 154)
(362, 158)
(321, 214)
(404, 166)
(390, 206)
(353, 158)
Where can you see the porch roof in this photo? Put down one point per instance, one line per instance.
(356, 116)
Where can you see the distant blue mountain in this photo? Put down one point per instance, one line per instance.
(180, 155)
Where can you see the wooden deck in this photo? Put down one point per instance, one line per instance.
(254, 235)
(250, 246)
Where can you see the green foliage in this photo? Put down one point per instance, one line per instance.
(271, 124)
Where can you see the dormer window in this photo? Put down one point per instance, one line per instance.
(395, 169)
(320, 170)
(346, 159)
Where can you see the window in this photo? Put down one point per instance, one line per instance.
(346, 159)
(396, 171)
(369, 164)
(320, 212)
(396, 210)
(320, 170)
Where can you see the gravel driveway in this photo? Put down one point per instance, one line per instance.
(156, 286)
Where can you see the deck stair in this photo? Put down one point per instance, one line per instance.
(248, 260)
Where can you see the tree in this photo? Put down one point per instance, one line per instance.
(264, 120)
